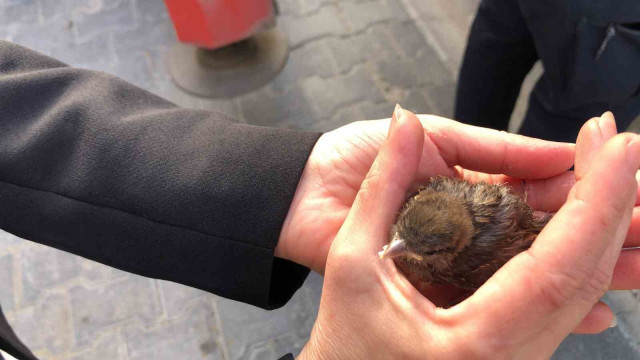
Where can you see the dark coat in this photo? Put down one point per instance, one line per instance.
(100, 168)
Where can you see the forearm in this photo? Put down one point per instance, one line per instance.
(95, 166)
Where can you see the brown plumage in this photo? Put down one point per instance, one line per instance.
(459, 233)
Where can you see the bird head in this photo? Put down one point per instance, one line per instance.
(431, 230)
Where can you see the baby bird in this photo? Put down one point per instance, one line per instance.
(459, 233)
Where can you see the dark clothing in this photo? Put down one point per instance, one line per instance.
(590, 51)
(97, 167)
(10, 343)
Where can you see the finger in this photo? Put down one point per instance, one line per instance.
(383, 192)
(626, 274)
(568, 267)
(599, 319)
(599, 201)
(638, 191)
(593, 134)
(439, 295)
(496, 152)
(633, 234)
(541, 194)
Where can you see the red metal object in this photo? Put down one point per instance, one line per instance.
(215, 23)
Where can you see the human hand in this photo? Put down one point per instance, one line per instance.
(369, 310)
(341, 159)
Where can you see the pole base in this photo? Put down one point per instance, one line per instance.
(232, 70)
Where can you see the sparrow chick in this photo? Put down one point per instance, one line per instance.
(459, 233)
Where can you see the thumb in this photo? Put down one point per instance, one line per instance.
(593, 134)
(384, 190)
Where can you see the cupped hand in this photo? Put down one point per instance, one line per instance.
(341, 159)
(369, 310)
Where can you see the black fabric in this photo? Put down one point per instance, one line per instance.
(95, 166)
(287, 357)
(10, 343)
(500, 52)
(585, 74)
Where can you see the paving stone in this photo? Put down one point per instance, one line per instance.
(449, 9)
(287, 7)
(229, 107)
(626, 305)
(274, 348)
(301, 7)
(345, 115)
(57, 40)
(17, 17)
(6, 282)
(97, 309)
(378, 110)
(23, 11)
(193, 336)
(136, 68)
(349, 51)
(365, 14)
(176, 297)
(451, 47)
(416, 101)
(153, 33)
(441, 99)
(609, 345)
(151, 11)
(622, 302)
(325, 22)
(313, 59)
(266, 107)
(407, 39)
(422, 70)
(45, 327)
(253, 333)
(109, 347)
(8, 239)
(67, 9)
(312, 289)
(105, 16)
(330, 94)
(43, 267)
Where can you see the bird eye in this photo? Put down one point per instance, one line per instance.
(436, 251)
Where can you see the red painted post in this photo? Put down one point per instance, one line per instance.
(215, 23)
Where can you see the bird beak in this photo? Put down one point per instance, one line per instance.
(397, 247)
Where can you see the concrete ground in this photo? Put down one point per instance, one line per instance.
(349, 60)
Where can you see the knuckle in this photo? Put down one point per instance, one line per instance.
(343, 257)
(597, 285)
(562, 287)
(559, 289)
(371, 183)
(484, 346)
(610, 219)
(345, 266)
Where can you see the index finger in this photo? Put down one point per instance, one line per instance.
(546, 291)
(497, 152)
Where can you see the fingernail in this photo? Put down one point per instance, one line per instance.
(614, 322)
(398, 114)
(607, 124)
(633, 151)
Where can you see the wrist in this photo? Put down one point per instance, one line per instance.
(291, 244)
(312, 351)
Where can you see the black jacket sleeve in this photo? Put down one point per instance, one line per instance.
(95, 166)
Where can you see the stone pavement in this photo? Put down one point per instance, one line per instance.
(349, 60)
